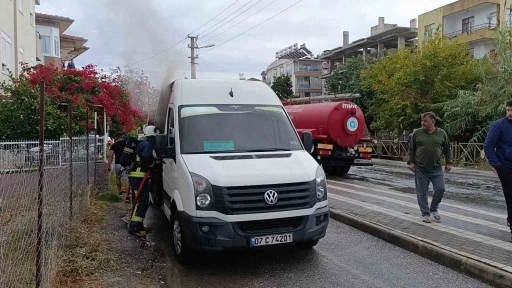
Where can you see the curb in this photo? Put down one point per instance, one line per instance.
(465, 265)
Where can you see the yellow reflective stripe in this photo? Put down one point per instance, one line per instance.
(136, 218)
(136, 174)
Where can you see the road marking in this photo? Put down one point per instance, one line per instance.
(415, 206)
(452, 230)
(391, 192)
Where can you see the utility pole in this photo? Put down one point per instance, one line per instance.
(193, 48)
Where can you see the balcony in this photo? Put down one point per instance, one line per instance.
(307, 87)
(473, 33)
(308, 71)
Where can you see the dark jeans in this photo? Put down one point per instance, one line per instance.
(423, 180)
(505, 175)
(142, 206)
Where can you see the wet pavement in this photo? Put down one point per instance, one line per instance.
(481, 189)
(346, 257)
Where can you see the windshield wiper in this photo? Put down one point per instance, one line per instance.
(268, 150)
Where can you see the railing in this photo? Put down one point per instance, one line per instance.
(308, 86)
(309, 69)
(462, 153)
(470, 30)
(24, 155)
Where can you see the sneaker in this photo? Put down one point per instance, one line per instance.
(426, 219)
(436, 216)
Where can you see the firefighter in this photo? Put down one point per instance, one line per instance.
(145, 160)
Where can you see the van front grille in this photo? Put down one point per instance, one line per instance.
(251, 199)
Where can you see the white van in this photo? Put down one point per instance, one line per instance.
(235, 172)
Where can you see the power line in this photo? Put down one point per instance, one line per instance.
(156, 53)
(227, 16)
(215, 17)
(209, 39)
(252, 27)
(232, 19)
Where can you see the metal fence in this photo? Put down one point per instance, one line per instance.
(39, 207)
(19, 156)
(462, 153)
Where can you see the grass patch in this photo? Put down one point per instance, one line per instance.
(110, 197)
(86, 251)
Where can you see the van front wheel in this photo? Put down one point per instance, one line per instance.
(181, 250)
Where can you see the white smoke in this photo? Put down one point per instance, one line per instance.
(144, 31)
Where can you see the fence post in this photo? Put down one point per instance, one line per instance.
(95, 144)
(41, 187)
(70, 132)
(87, 149)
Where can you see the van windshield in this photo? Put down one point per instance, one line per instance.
(235, 129)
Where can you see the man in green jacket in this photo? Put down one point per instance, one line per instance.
(426, 147)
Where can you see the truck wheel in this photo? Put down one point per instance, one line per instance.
(307, 244)
(343, 170)
(329, 169)
(182, 252)
(333, 170)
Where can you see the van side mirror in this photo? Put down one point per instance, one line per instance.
(307, 140)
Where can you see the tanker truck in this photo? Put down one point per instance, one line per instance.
(338, 130)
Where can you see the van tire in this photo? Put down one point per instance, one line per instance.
(182, 252)
(307, 244)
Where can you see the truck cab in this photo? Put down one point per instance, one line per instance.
(235, 174)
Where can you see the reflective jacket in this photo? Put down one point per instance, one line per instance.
(144, 161)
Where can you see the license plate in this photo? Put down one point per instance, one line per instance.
(362, 161)
(271, 240)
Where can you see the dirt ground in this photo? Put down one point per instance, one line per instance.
(139, 263)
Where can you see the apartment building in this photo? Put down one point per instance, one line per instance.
(57, 47)
(18, 38)
(383, 36)
(298, 63)
(467, 21)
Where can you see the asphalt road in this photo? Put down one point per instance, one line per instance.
(346, 257)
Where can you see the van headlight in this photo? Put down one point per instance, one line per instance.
(321, 184)
(203, 192)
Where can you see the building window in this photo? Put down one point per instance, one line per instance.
(32, 61)
(32, 19)
(20, 6)
(429, 31)
(50, 41)
(468, 24)
(508, 17)
(6, 53)
(281, 70)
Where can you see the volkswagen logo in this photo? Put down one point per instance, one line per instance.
(271, 197)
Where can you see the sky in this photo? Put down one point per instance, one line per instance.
(124, 32)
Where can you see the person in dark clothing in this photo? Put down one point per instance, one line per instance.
(145, 161)
(426, 147)
(121, 175)
(498, 150)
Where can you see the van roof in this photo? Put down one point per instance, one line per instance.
(215, 91)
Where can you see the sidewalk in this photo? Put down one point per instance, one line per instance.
(471, 239)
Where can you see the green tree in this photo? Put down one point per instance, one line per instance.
(469, 116)
(411, 81)
(348, 80)
(282, 86)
